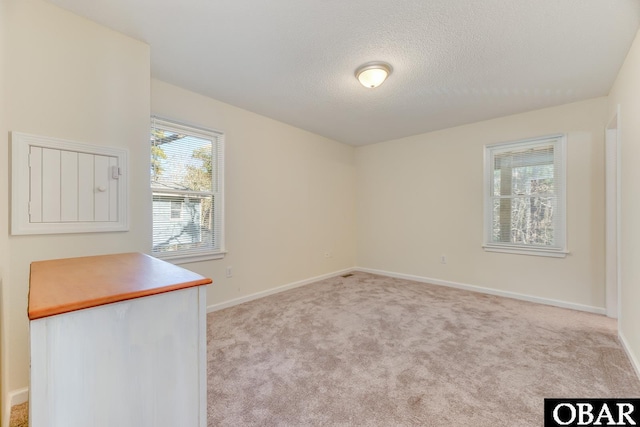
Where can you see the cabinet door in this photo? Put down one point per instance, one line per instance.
(134, 363)
(67, 186)
(61, 186)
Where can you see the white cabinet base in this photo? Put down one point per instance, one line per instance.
(134, 363)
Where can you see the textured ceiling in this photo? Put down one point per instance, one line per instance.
(454, 61)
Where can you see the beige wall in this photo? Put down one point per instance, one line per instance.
(66, 77)
(4, 198)
(626, 93)
(290, 197)
(421, 197)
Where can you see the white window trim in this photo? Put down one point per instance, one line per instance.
(186, 257)
(560, 181)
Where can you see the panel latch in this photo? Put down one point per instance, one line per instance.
(115, 172)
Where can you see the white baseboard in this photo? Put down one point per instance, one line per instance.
(257, 295)
(632, 357)
(490, 291)
(15, 397)
(464, 286)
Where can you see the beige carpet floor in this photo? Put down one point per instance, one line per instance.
(373, 351)
(19, 415)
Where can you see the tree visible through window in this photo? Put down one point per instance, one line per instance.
(186, 174)
(525, 201)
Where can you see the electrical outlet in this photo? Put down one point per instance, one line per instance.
(229, 271)
(443, 259)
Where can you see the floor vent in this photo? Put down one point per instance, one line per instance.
(347, 275)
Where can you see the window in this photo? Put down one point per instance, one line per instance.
(186, 183)
(176, 210)
(525, 197)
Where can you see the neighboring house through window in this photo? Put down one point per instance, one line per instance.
(525, 197)
(186, 182)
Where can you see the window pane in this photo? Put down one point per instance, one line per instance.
(194, 228)
(180, 162)
(524, 172)
(524, 220)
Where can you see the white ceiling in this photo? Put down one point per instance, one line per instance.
(454, 61)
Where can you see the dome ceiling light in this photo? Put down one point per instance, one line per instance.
(373, 74)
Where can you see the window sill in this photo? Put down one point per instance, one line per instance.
(554, 253)
(189, 258)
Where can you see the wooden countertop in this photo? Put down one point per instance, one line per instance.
(63, 285)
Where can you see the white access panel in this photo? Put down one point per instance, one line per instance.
(69, 178)
(62, 186)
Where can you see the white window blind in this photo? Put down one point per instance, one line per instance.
(525, 196)
(186, 182)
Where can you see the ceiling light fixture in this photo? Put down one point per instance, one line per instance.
(373, 74)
